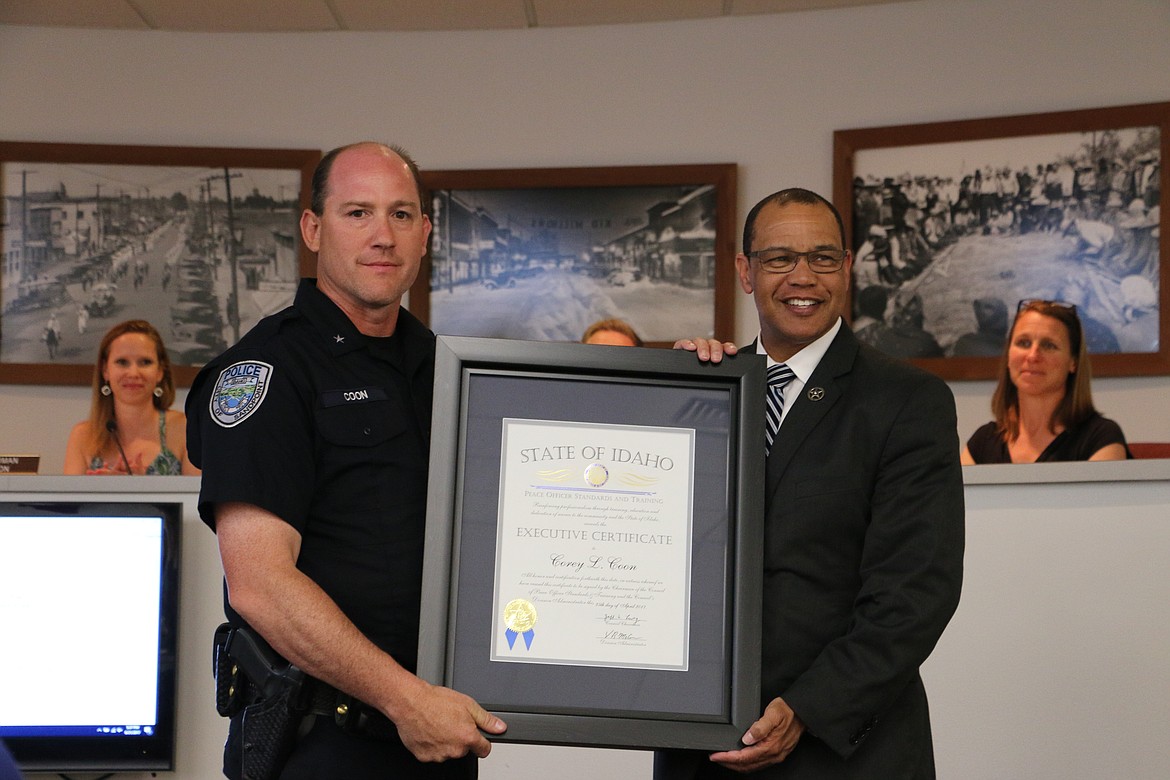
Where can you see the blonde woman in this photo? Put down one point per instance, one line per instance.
(131, 428)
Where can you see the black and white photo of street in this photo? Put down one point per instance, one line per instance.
(201, 253)
(542, 264)
(949, 237)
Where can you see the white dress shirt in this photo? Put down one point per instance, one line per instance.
(803, 363)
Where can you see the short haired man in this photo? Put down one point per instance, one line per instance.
(987, 340)
(907, 336)
(313, 432)
(863, 542)
(871, 313)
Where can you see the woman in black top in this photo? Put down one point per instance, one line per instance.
(1043, 405)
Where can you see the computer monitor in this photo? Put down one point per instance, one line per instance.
(89, 601)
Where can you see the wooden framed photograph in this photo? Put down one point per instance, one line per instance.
(953, 223)
(201, 242)
(540, 254)
(593, 563)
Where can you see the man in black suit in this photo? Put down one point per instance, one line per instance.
(863, 547)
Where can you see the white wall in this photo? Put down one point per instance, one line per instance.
(1054, 666)
(765, 92)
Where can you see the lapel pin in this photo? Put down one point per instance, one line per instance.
(816, 393)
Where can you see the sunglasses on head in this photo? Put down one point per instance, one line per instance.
(1028, 303)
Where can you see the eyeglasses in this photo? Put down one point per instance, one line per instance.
(1041, 303)
(782, 261)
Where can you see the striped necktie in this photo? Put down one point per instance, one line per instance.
(779, 376)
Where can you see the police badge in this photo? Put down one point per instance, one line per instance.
(239, 391)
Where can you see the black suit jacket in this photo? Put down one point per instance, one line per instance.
(863, 565)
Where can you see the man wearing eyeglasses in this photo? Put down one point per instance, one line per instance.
(863, 544)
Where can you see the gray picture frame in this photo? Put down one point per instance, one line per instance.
(566, 704)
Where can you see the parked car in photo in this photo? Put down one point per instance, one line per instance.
(190, 353)
(204, 333)
(195, 295)
(194, 312)
(504, 279)
(508, 278)
(623, 276)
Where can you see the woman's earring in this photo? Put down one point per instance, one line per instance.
(158, 391)
(106, 391)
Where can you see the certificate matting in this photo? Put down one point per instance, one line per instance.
(480, 383)
(593, 539)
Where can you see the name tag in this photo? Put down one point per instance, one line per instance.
(360, 395)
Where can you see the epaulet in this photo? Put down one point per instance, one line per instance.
(268, 327)
(252, 341)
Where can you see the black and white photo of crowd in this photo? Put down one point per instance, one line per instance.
(948, 238)
(201, 253)
(542, 264)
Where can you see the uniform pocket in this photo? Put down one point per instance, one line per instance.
(364, 424)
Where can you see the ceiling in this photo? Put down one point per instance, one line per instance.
(254, 16)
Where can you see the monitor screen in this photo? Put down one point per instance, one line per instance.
(89, 604)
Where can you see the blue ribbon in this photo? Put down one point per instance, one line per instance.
(511, 637)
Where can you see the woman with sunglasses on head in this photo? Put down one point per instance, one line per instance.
(614, 332)
(131, 428)
(1043, 405)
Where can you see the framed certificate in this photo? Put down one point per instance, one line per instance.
(594, 534)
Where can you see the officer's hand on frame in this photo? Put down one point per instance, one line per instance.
(769, 740)
(707, 350)
(446, 724)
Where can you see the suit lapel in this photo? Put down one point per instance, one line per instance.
(820, 394)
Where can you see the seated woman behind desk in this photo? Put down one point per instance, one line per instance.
(1043, 405)
(614, 332)
(131, 428)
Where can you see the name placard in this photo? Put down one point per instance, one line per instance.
(19, 464)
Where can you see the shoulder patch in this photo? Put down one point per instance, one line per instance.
(239, 391)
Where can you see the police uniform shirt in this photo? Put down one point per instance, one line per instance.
(328, 429)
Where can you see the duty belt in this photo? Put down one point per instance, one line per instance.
(247, 670)
(350, 714)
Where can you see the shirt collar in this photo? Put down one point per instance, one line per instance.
(411, 346)
(332, 325)
(804, 362)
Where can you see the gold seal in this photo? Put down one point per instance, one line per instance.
(519, 615)
(596, 474)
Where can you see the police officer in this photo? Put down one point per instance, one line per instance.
(313, 435)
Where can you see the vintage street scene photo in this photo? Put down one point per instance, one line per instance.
(542, 264)
(201, 253)
(949, 237)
